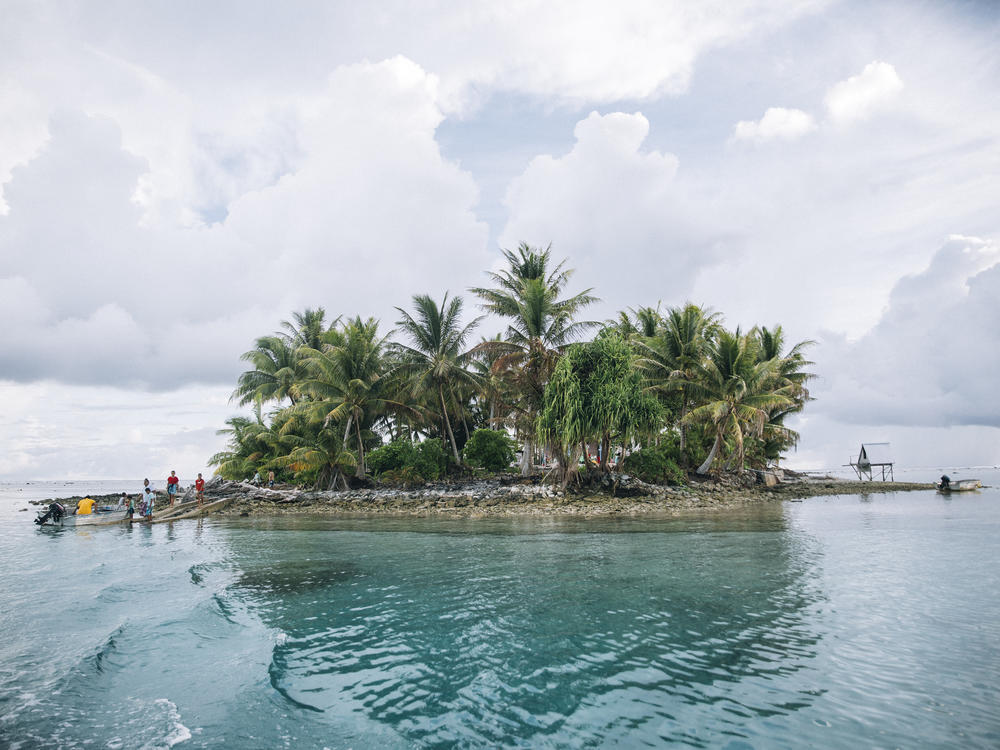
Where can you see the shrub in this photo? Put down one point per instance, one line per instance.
(655, 465)
(427, 460)
(432, 459)
(407, 477)
(490, 449)
(391, 457)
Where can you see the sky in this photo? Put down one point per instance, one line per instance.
(177, 178)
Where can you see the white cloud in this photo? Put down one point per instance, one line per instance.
(97, 295)
(617, 210)
(932, 358)
(208, 104)
(862, 95)
(777, 123)
(95, 432)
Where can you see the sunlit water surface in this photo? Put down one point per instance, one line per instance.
(847, 621)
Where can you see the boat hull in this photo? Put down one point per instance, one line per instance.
(960, 485)
(100, 518)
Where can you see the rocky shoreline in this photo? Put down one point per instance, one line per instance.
(513, 496)
(508, 497)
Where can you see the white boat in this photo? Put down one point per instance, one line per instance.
(959, 485)
(105, 515)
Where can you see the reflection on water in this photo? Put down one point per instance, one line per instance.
(838, 622)
(564, 636)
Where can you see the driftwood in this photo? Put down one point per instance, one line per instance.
(192, 512)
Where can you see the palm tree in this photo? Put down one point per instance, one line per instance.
(321, 454)
(345, 380)
(307, 328)
(644, 322)
(671, 358)
(736, 392)
(492, 388)
(437, 362)
(252, 444)
(273, 377)
(540, 328)
(790, 380)
(276, 361)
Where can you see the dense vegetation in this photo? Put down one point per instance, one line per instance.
(657, 393)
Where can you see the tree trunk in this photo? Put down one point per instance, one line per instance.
(493, 425)
(361, 451)
(683, 425)
(703, 469)
(447, 422)
(347, 430)
(527, 459)
(605, 450)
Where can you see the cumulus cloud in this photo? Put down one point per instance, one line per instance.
(95, 432)
(97, 295)
(209, 104)
(777, 123)
(932, 358)
(618, 210)
(862, 95)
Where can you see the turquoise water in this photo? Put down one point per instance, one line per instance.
(846, 621)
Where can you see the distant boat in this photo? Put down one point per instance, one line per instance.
(959, 485)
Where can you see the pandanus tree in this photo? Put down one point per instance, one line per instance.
(436, 361)
(540, 326)
(736, 393)
(670, 359)
(345, 380)
(595, 394)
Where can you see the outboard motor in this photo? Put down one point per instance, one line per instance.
(55, 512)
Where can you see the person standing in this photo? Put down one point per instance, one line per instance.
(199, 488)
(172, 483)
(147, 503)
(270, 479)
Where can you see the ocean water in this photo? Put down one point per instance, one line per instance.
(846, 621)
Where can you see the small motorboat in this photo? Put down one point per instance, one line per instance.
(56, 515)
(958, 485)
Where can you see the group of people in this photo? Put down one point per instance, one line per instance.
(147, 499)
(257, 481)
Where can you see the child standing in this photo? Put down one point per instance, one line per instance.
(147, 502)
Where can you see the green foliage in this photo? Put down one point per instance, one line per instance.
(400, 460)
(391, 456)
(704, 395)
(655, 464)
(596, 393)
(490, 449)
(408, 476)
(436, 365)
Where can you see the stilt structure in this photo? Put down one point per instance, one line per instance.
(873, 457)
